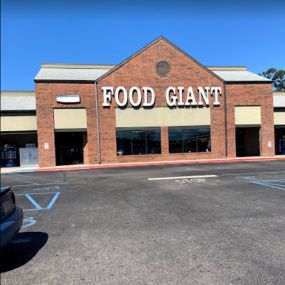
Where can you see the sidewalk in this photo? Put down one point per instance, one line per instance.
(6, 170)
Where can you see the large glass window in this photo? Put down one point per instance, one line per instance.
(189, 140)
(139, 141)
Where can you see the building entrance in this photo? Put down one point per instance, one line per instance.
(280, 140)
(69, 147)
(247, 141)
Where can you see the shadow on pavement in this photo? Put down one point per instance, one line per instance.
(22, 249)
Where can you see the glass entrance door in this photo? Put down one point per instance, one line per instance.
(69, 147)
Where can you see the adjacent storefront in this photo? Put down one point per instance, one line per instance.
(18, 139)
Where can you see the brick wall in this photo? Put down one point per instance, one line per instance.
(46, 101)
(251, 95)
(140, 71)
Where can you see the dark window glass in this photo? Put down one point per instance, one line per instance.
(189, 140)
(124, 142)
(203, 140)
(138, 142)
(153, 142)
(175, 141)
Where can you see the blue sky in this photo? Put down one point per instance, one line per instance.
(33, 32)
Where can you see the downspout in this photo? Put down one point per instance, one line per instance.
(226, 119)
(97, 123)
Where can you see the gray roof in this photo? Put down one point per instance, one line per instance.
(85, 72)
(72, 72)
(240, 76)
(18, 101)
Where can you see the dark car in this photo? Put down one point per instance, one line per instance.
(11, 217)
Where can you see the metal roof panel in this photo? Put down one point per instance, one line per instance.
(15, 101)
(70, 74)
(240, 76)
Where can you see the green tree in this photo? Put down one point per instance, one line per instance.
(277, 76)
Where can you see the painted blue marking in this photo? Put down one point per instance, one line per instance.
(275, 184)
(37, 206)
(49, 206)
(276, 180)
(279, 187)
(30, 221)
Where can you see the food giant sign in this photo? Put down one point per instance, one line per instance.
(174, 96)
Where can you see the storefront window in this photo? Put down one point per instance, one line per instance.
(124, 142)
(138, 142)
(175, 141)
(182, 140)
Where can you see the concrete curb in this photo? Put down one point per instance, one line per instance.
(137, 164)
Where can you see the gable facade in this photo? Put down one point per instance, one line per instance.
(198, 109)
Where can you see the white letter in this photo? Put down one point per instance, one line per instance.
(216, 91)
(147, 90)
(107, 95)
(180, 101)
(131, 94)
(125, 99)
(203, 95)
(190, 98)
(170, 102)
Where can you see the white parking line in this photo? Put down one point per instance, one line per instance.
(32, 179)
(182, 177)
(21, 178)
(40, 184)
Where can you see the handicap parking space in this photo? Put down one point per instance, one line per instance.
(37, 201)
(35, 194)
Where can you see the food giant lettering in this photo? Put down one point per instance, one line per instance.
(175, 96)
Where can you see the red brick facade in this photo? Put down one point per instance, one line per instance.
(46, 101)
(251, 95)
(140, 71)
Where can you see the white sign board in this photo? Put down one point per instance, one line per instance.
(68, 99)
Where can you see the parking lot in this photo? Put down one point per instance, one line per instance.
(179, 224)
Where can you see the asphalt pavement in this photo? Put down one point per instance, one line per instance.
(179, 224)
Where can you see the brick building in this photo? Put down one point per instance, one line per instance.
(159, 104)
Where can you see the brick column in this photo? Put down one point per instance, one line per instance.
(231, 132)
(267, 131)
(46, 140)
(164, 141)
(91, 148)
(85, 149)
